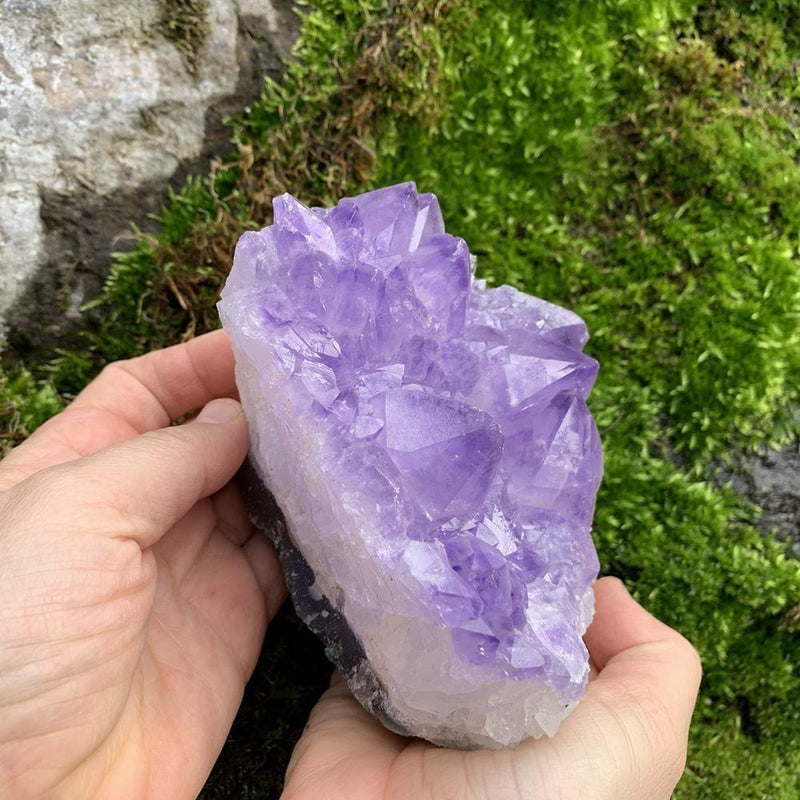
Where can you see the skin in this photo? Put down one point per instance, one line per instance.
(626, 740)
(134, 598)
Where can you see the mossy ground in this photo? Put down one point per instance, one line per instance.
(636, 162)
(185, 24)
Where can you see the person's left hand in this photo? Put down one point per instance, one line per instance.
(134, 592)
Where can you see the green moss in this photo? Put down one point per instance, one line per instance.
(649, 182)
(25, 403)
(185, 24)
(633, 179)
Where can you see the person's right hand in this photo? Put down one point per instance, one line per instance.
(134, 590)
(626, 740)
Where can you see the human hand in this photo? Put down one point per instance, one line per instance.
(626, 740)
(134, 592)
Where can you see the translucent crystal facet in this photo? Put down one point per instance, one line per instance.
(428, 442)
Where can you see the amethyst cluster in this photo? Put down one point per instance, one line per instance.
(428, 443)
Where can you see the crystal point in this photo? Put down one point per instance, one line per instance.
(428, 442)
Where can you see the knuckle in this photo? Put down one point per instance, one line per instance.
(173, 443)
(113, 369)
(25, 508)
(43, 488)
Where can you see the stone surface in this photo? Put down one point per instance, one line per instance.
(429, 444)
(99, 113)
(771, 480)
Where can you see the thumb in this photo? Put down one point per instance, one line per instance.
(641, 702)
(146, 484)
(631, 647)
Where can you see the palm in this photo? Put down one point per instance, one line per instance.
(345, 754)
(200, 644)
(626, 740)
(157, 641)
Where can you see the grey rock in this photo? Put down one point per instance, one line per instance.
(771, 480)
(99, 113)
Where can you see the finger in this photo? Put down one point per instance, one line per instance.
(265, 565)
(631, 729)
(231, 514)
(151, 391)
(126, 399)
(625, 639)
(618, 623)
(147, 484)
(233, 521)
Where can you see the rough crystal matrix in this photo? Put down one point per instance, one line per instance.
(428, 442)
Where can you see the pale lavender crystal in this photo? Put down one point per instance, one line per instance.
(429, 444)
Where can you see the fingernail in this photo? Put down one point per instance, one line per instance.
(220, 411)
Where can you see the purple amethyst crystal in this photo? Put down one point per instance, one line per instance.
(428, 442)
